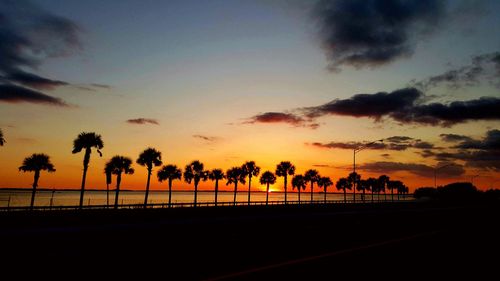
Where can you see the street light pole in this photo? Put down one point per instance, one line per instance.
(356, 150)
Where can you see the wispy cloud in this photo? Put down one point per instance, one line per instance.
(210, 139)
(397, 143)
(143, 121)
(387, 167)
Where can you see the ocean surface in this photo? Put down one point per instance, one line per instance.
(18, 198)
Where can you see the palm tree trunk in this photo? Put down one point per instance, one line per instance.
(249, 184)
(372, 194)
(35, 184)
(325, 195)
(299, 195)
(147, 189)
(285, 190)
(216, 191)
(117, 192)
(195, 194)
(363, 195)
(385, 196)
(235, 190)
(267, 194)
(392, 195)
(312, 187)
(170, 193)
(86, 160)
(345, 196)
(107, 195)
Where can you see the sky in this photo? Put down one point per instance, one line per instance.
(226, 82)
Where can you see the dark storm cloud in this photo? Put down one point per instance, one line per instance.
(15, 94)
(386, 167)
(405, 106)
(28, 36)
(396, 143)
(363, 33)
(373, 106)
(484, 67)
(143, 121)
(481, 154)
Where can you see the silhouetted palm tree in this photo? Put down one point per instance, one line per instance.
(299, 182)
(119, 165)
(36, 163)
(402, 188)
(2, 139)
(267, 178)
(170, 173)
(325, 182)
(148, 158)
(354, 179)
(383, 180)
(216, 175)
(86, 141)
(363, 185)
(233, 176)
(284, 169)
(372, 185)
(343, 184)
(108, 172)
(311, 176)
(195, 172)
(250, 170)
(391, 185)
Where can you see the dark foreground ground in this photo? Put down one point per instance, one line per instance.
(400, 241)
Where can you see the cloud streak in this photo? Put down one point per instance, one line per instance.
(18, 94)
(143, 121)
(422, 170)
(363, 33)
(281, 117)
(396, 143)
(206, 138)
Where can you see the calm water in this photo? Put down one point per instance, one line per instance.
(68, 198)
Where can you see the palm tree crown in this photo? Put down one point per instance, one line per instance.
(2, 140)
(216, 174)
(87, 141)
(267, 178)
(37, 162)
(120, 164)
(299, 182)
(235, 175)
(169, 172)
(195, 172)
(250, 169)
(149, 157)
(325, 182)
(285, 168)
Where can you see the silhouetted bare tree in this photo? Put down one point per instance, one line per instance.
(86, 141)
(149, 157)
(250, 170)
(267, 178)
(36, 163)
(216, 175)
(324, 182)
(195, 172)
(285, 169)
(234, 176)
(119, 165)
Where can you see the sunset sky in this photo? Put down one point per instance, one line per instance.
(225, 82)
